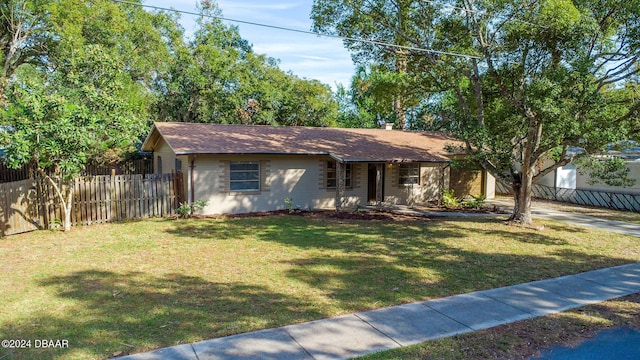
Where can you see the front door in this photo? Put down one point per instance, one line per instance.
(372, 183)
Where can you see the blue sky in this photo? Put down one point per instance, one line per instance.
(307, 56)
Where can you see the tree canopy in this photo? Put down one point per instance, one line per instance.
(522, 83)
(75, 88)
(83, 81)
(218, 78)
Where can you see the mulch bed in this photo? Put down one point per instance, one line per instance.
(369, 214)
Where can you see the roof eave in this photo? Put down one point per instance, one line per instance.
(146, 145)
(193, 152)
(392, 161)
(152, 139)
(334, 156)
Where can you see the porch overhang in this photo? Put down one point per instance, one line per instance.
(344, 159)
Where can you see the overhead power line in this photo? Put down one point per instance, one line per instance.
(306, 32)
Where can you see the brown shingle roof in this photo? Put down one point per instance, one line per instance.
(350, 145)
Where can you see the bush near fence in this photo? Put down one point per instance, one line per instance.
(605, 199)
(31, 204)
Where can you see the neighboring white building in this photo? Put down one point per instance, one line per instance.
(563, 177)
(570, 177)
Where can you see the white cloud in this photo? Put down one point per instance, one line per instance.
(317, 58)
(290, 15)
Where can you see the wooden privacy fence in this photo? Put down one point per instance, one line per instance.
(12, 175)
(29, 205)
(128, 167)
(19, 207)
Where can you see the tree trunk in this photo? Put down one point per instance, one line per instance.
(401, 116)
(64, 193)
(66, 209)
(522, 186)
(398, 103)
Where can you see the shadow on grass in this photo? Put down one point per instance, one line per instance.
(114, 313)
(353, 264)
(363, 264)
(360, 282)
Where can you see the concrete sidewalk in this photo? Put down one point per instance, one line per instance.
(542, 212)
(372, 331)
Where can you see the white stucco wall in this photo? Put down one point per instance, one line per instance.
(563, 177)
(566, 177)
(489, 185)
(298, 178)
(428, 190)
(301, 179)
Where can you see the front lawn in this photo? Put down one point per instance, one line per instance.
(132, 287)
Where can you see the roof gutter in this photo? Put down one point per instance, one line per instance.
(332, 155)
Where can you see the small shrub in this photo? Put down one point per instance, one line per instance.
(480, 199)
(476, 203)
(185, 209)
(449, 200)
(289, 203)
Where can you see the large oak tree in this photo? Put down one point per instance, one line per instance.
(529, 86)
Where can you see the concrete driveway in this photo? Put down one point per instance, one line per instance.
(542, 212)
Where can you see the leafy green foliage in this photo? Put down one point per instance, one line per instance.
(24, 34)
(84, 91)
(449, 199)
(610, 171)
(476, 203)
(76, 86)
(217, 78)
(545, 77)
(356, 109)
(62, 120)
(288, 202)
(82, 80)
(186, 210)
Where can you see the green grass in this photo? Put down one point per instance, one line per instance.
(137, 286)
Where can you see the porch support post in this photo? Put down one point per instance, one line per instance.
(192, 181)
(341, 171)
(379, 184)
(444, 181)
